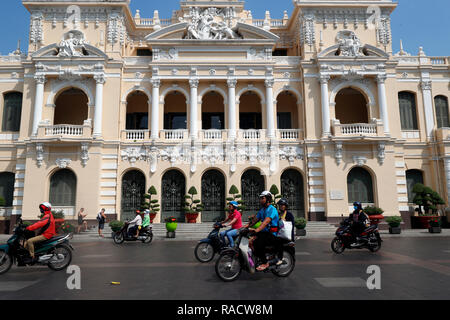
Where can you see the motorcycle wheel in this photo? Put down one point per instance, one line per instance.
(148, 239)
(287, 267)
(204, 252)
(375, 247)
(118, 238)
(5, 262)
(228, 267)
(337, 246)
(66, 252)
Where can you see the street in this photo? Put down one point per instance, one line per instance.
(411, 268)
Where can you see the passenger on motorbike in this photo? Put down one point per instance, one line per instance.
(286, 215)
(359, 221)
(235, 221)
(133, 226)
(267, 231)
(47, 229)
(146, 221)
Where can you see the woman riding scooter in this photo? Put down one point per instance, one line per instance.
(235, 221)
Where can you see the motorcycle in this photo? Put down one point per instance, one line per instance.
(145, 235)
(345, 239)
(207, 248)
(56, 253)
(233, 260)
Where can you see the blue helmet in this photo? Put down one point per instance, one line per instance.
(357, 204)
(234, 204)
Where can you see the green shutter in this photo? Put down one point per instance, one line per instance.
(442, 118)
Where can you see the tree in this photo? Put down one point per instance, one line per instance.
(276, 195)
(149, 203)
(192, 205)
(427, 198)
(235, 196)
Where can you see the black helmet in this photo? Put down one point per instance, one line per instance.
(358, 204)
(283, 201)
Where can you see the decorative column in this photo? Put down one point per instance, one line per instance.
(447, 177)
(326, 130)
(269, 108)
(428, 106)
(193, 108)
(156, 83)
(98, 116)
(383, 102)
(38, 102)
(232, 108)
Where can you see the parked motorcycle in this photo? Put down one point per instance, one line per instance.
(56, 253)
(345, 239)
(207, 248)
(233, 260)
(145, 235)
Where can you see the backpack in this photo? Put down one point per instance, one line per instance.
(100, 219)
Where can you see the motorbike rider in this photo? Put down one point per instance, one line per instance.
(235, 221)
(359, 221)
(133, 226)
(47, 229)
(286, 215)
(267, 231)
(146, 221)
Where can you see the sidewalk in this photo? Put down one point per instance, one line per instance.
(412, 233)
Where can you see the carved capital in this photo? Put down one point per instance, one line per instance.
(324, 78)
(425, 84)
(156, 83)
(193, 83)
(100, 78)
(40, 79)
(269, 83)
(381, 78)
(232, 83)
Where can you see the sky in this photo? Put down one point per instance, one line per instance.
(417, 22)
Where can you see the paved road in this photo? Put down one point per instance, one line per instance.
(411, 268)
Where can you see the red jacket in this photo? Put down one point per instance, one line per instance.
(47, 225)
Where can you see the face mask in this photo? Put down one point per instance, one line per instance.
(355, 207)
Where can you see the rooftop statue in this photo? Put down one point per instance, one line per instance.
(72, 45)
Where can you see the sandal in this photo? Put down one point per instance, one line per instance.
(262, 267)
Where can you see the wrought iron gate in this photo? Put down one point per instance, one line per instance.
(173, 192)
(213, 196)
(133, 190)
(252, 184)
(292, 190)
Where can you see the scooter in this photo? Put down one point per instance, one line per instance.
(345, 239)
(207, 248)
(233, 260)
(56, 253)
(145, 235)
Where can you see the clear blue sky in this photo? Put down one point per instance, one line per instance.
(417, 22)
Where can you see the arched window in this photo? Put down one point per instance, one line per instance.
(63, 188)
(351, 106)
(359, 186)
(137, 111)
(412, 178)
(292, 189)
(12, 111)
(71, 107)
(408, 115)
(7, 187)
(441, 105)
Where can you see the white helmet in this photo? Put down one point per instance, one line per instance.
(267, 195)
(45, 206)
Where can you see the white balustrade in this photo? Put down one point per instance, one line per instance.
(178, 134)
(251, 134)
(64, 129)
(289, 134)
(358, 129)
(135, 134)
(212, 134)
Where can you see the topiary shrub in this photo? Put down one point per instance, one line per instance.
(372, 210)
(394, 222)
(2, 202)
(300, 223)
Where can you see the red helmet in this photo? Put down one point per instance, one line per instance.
(45, 207)
(138, 212)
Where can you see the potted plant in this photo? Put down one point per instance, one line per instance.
(276, 195)
(375, 214)
(428, 199)
(67, 228)
(151, 204)
(116, 225)
(171, 226)
(394, 225)
(193, 206)
(300, 225)
(435, 225)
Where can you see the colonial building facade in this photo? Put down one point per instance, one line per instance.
(107, 103)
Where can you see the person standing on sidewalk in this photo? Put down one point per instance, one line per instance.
(101, 218)
(81, 221)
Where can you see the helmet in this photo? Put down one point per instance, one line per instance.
(138, 212)
(267, 195)
(283, 201)
(234, 204)
(45, 207)
(357, 204)
(147, 211)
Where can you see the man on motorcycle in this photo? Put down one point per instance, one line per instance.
(267, 231)
(359, 221)
(47, 229)
(235, 221)
(133, 226)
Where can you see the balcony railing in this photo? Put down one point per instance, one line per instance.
(251, 134)
(289, 134)
(174, 135)
(373, 129)
(65, 130)
(213, 134)
(136, 135)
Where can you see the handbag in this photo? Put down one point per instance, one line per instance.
(285, 231)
